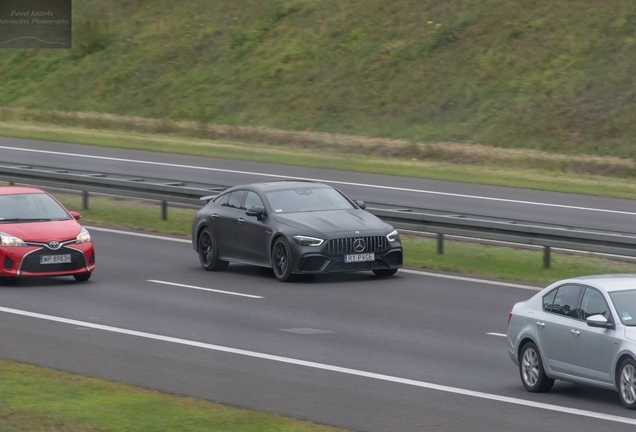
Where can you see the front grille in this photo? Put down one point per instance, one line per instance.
(345, 245)
(31, 262)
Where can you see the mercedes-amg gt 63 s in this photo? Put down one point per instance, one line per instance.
(294, 227)
(39, 237)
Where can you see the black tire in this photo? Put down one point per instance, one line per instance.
(282, 260)
(626, 383)
(82, 277)
(209, 253)
(385, 272)
(531, 370)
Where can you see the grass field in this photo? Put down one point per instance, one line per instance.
(36, 399)
(550, 75)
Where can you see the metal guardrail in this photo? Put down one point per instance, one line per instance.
(441, 223)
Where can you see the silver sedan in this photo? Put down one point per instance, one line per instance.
(581, 330)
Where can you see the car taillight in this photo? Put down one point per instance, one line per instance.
(509, 316)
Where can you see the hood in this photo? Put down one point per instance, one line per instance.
(332, 221)
(43, 232)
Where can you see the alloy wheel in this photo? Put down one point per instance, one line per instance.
(205, 249)
(280, 259)
(530, 367)
(628, 384)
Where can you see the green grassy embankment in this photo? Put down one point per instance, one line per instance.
(41, 399)
(550, 75)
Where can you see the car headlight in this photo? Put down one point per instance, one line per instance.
(9, 240)
(83, 237)
(394, 236)
(307, 241)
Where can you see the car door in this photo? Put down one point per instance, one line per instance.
(224, 222)
(554, 327)
(253, 234)
(593, 348)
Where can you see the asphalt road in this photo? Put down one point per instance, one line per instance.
(515, 204)
(407, 353)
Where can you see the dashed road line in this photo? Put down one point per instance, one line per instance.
(204, 289)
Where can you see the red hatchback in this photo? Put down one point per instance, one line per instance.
(39, 237)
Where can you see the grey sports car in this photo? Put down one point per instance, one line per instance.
(581, 330)
(294, 227)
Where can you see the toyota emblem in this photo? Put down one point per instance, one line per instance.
(54, 244)
(359, 245)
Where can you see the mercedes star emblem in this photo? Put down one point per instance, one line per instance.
(359, 245)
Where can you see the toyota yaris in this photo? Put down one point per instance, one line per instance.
(294, 227)
(39, 237)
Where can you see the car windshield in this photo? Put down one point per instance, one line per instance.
(625, 305)
(307, 200)
(30, 208)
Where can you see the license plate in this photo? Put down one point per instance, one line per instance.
(55, 259)
(359, 257)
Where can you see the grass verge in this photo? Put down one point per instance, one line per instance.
(459, 257)
(40, 399)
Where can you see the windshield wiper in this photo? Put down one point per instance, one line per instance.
(25, 220)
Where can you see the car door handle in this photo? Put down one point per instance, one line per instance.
(241, 220)
(214, 216)
(575, 332)
(540, 324)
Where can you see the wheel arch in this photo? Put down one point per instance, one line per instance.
(199, 230)
(618, 364)
(525, 341)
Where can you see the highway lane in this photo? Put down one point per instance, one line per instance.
(430, 330)
(517, 204)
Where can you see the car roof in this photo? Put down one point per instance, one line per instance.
(14, 190)
(606, 282)
(282, 185)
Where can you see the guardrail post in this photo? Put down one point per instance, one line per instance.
(85, 200)
(546, 256)
(164, 210)
(440, 243)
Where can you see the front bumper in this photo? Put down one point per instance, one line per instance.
(318, 260)
(25, 261)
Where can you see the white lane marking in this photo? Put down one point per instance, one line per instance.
(322, 180)
(496, 334)
(470, 279)
(416, 272)
(204, 289)
(138, 234)
(338, 369)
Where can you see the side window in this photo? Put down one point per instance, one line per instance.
(252, 200)
(593, 303)
(566, 300)
(548, 301)
(236, 198)
(222, 200)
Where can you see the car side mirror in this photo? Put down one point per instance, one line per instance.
(598, 321)
(361, 204)
(259, 212)
(75, 215)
